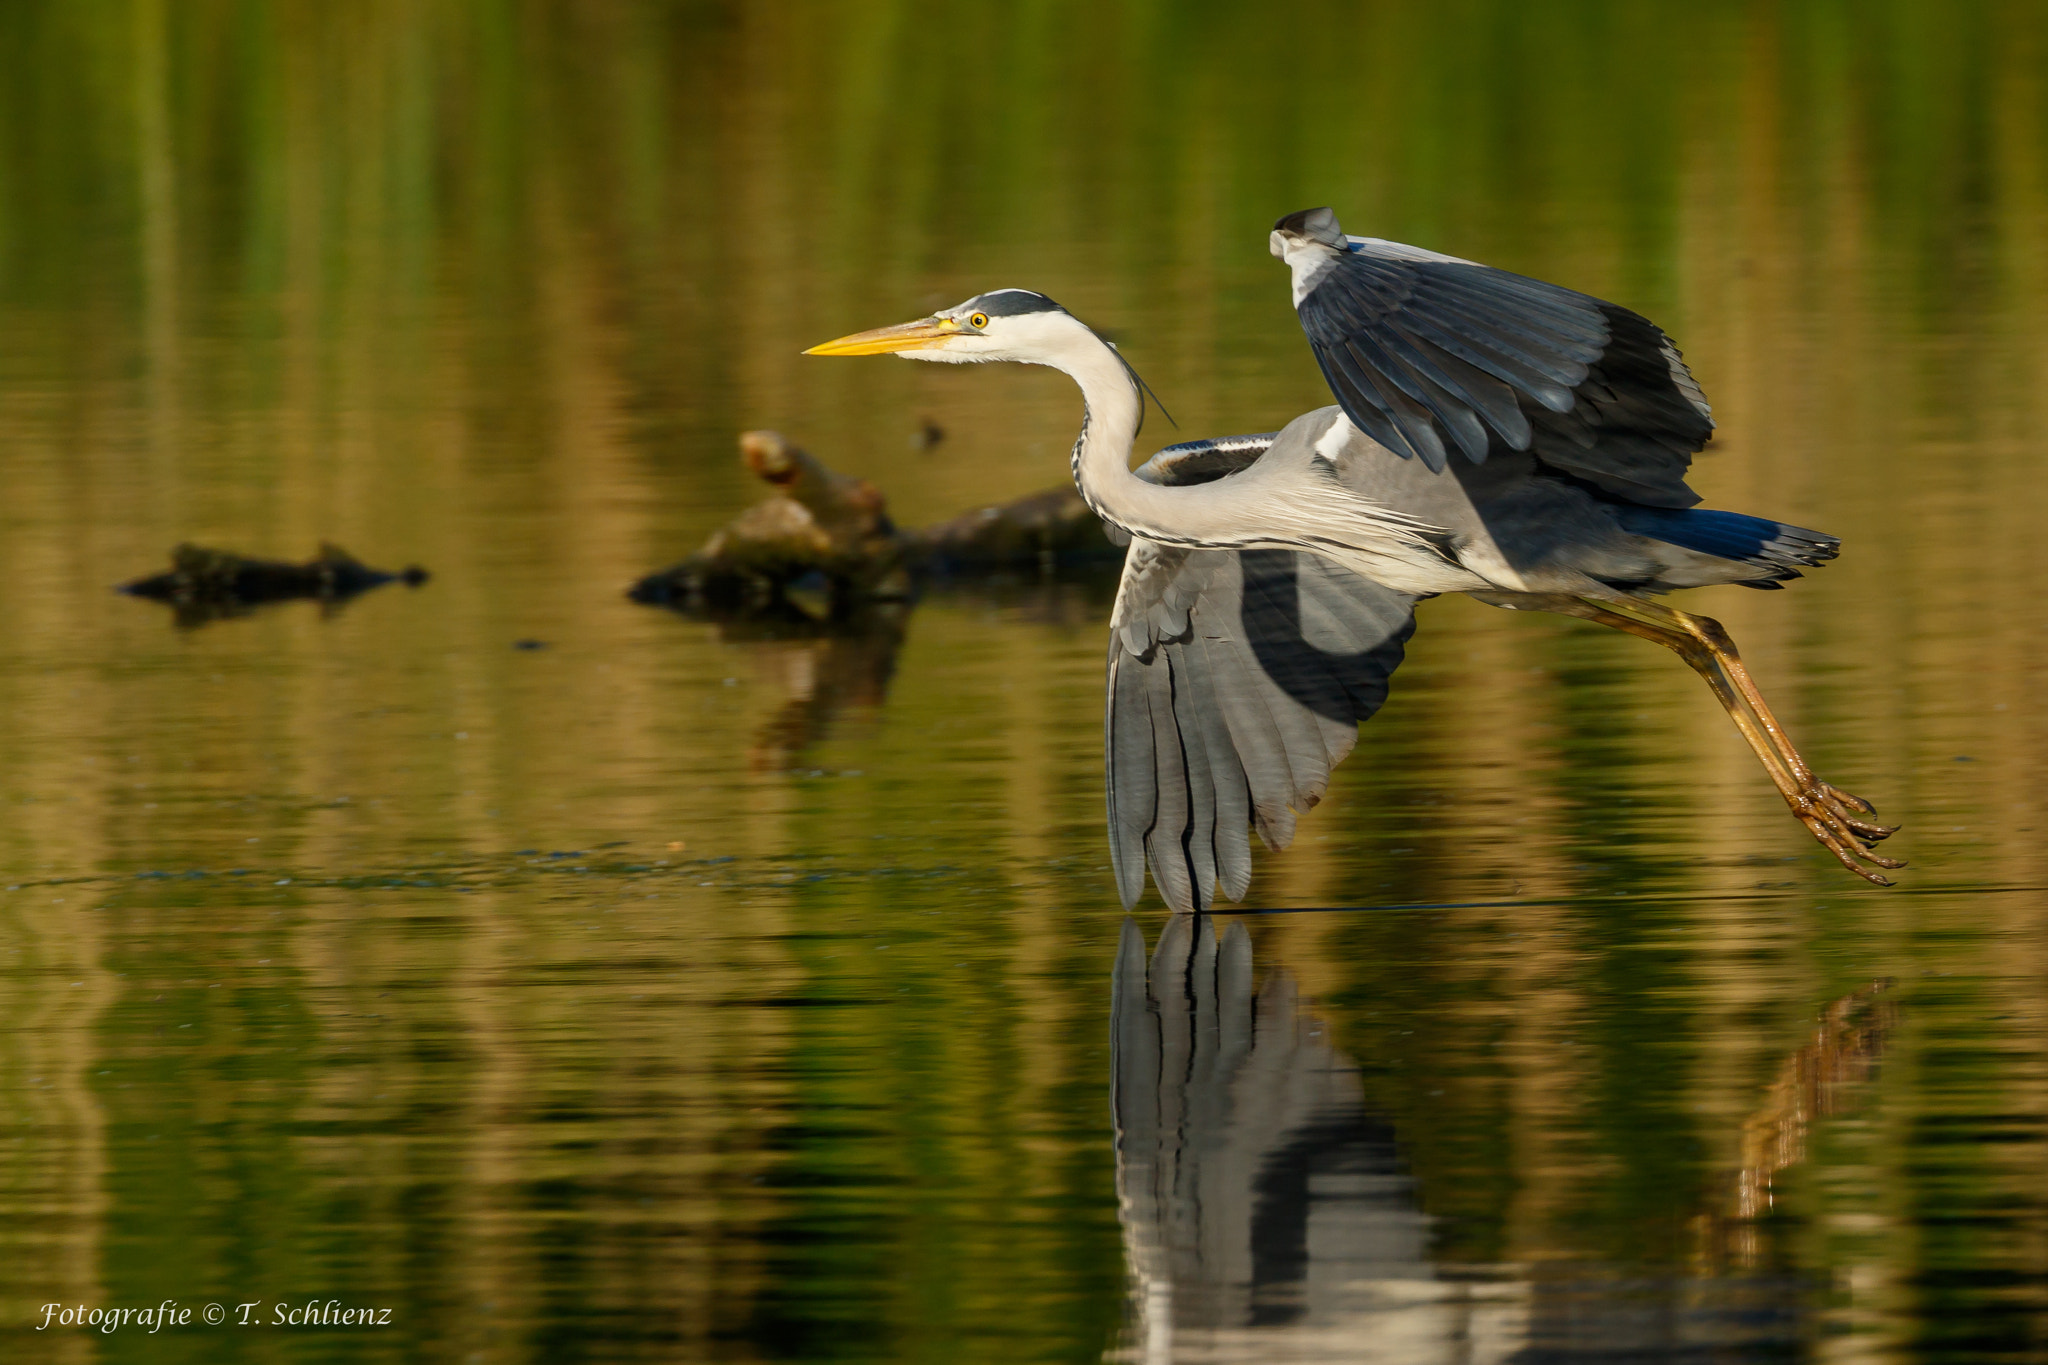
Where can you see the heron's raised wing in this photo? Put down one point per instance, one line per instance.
(1237, 681)
(1428, 353)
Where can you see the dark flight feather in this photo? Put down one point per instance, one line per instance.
(1428, 356)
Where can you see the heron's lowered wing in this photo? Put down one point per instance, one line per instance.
(1237, 680)
(1428, 354)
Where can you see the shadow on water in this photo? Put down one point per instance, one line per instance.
(1269, 1214)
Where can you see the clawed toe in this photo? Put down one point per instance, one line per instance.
(1863, 830)
(1879, 860)
(1869, 831)
(1848, 799)
(1874, 878)
(1828, 817)
(1848, 852)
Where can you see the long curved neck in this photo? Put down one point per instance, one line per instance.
(1240, 512)
(1102, 452)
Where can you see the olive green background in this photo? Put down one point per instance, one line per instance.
(799, 1051)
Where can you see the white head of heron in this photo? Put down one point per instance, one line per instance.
(1003, 324)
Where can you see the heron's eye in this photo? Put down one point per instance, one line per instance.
(978, 321)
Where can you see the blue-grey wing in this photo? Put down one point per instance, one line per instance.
(1237, 681)
(1428, 354)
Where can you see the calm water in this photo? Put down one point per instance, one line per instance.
(672, 992)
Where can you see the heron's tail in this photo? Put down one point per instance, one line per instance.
(1771, 545)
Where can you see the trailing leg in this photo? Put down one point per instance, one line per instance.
(1837, 819)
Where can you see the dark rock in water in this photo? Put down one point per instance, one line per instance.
(206, 584)
(823, 545)
(1046, 530)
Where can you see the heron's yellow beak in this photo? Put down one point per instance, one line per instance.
(907, 336)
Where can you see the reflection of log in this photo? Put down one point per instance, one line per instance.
(1820, 1079)
(205, 584)
(823, 668)
(823, 542)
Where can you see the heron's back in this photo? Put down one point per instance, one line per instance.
(1514, 524)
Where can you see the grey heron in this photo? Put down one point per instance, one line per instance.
(1494, 435)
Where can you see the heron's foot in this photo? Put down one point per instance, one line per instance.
(1841, 822)
(1837, 820)
(1844, 803)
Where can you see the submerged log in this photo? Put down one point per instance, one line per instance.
(205, 584)
(823, 543)
(1043, 531)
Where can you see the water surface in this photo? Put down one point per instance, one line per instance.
(672, 991)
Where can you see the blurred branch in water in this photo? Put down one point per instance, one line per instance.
(823, 543)
(1821, 1079)
(211, 585)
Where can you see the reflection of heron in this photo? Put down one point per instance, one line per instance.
(1573, 422)
(1266, 1215)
